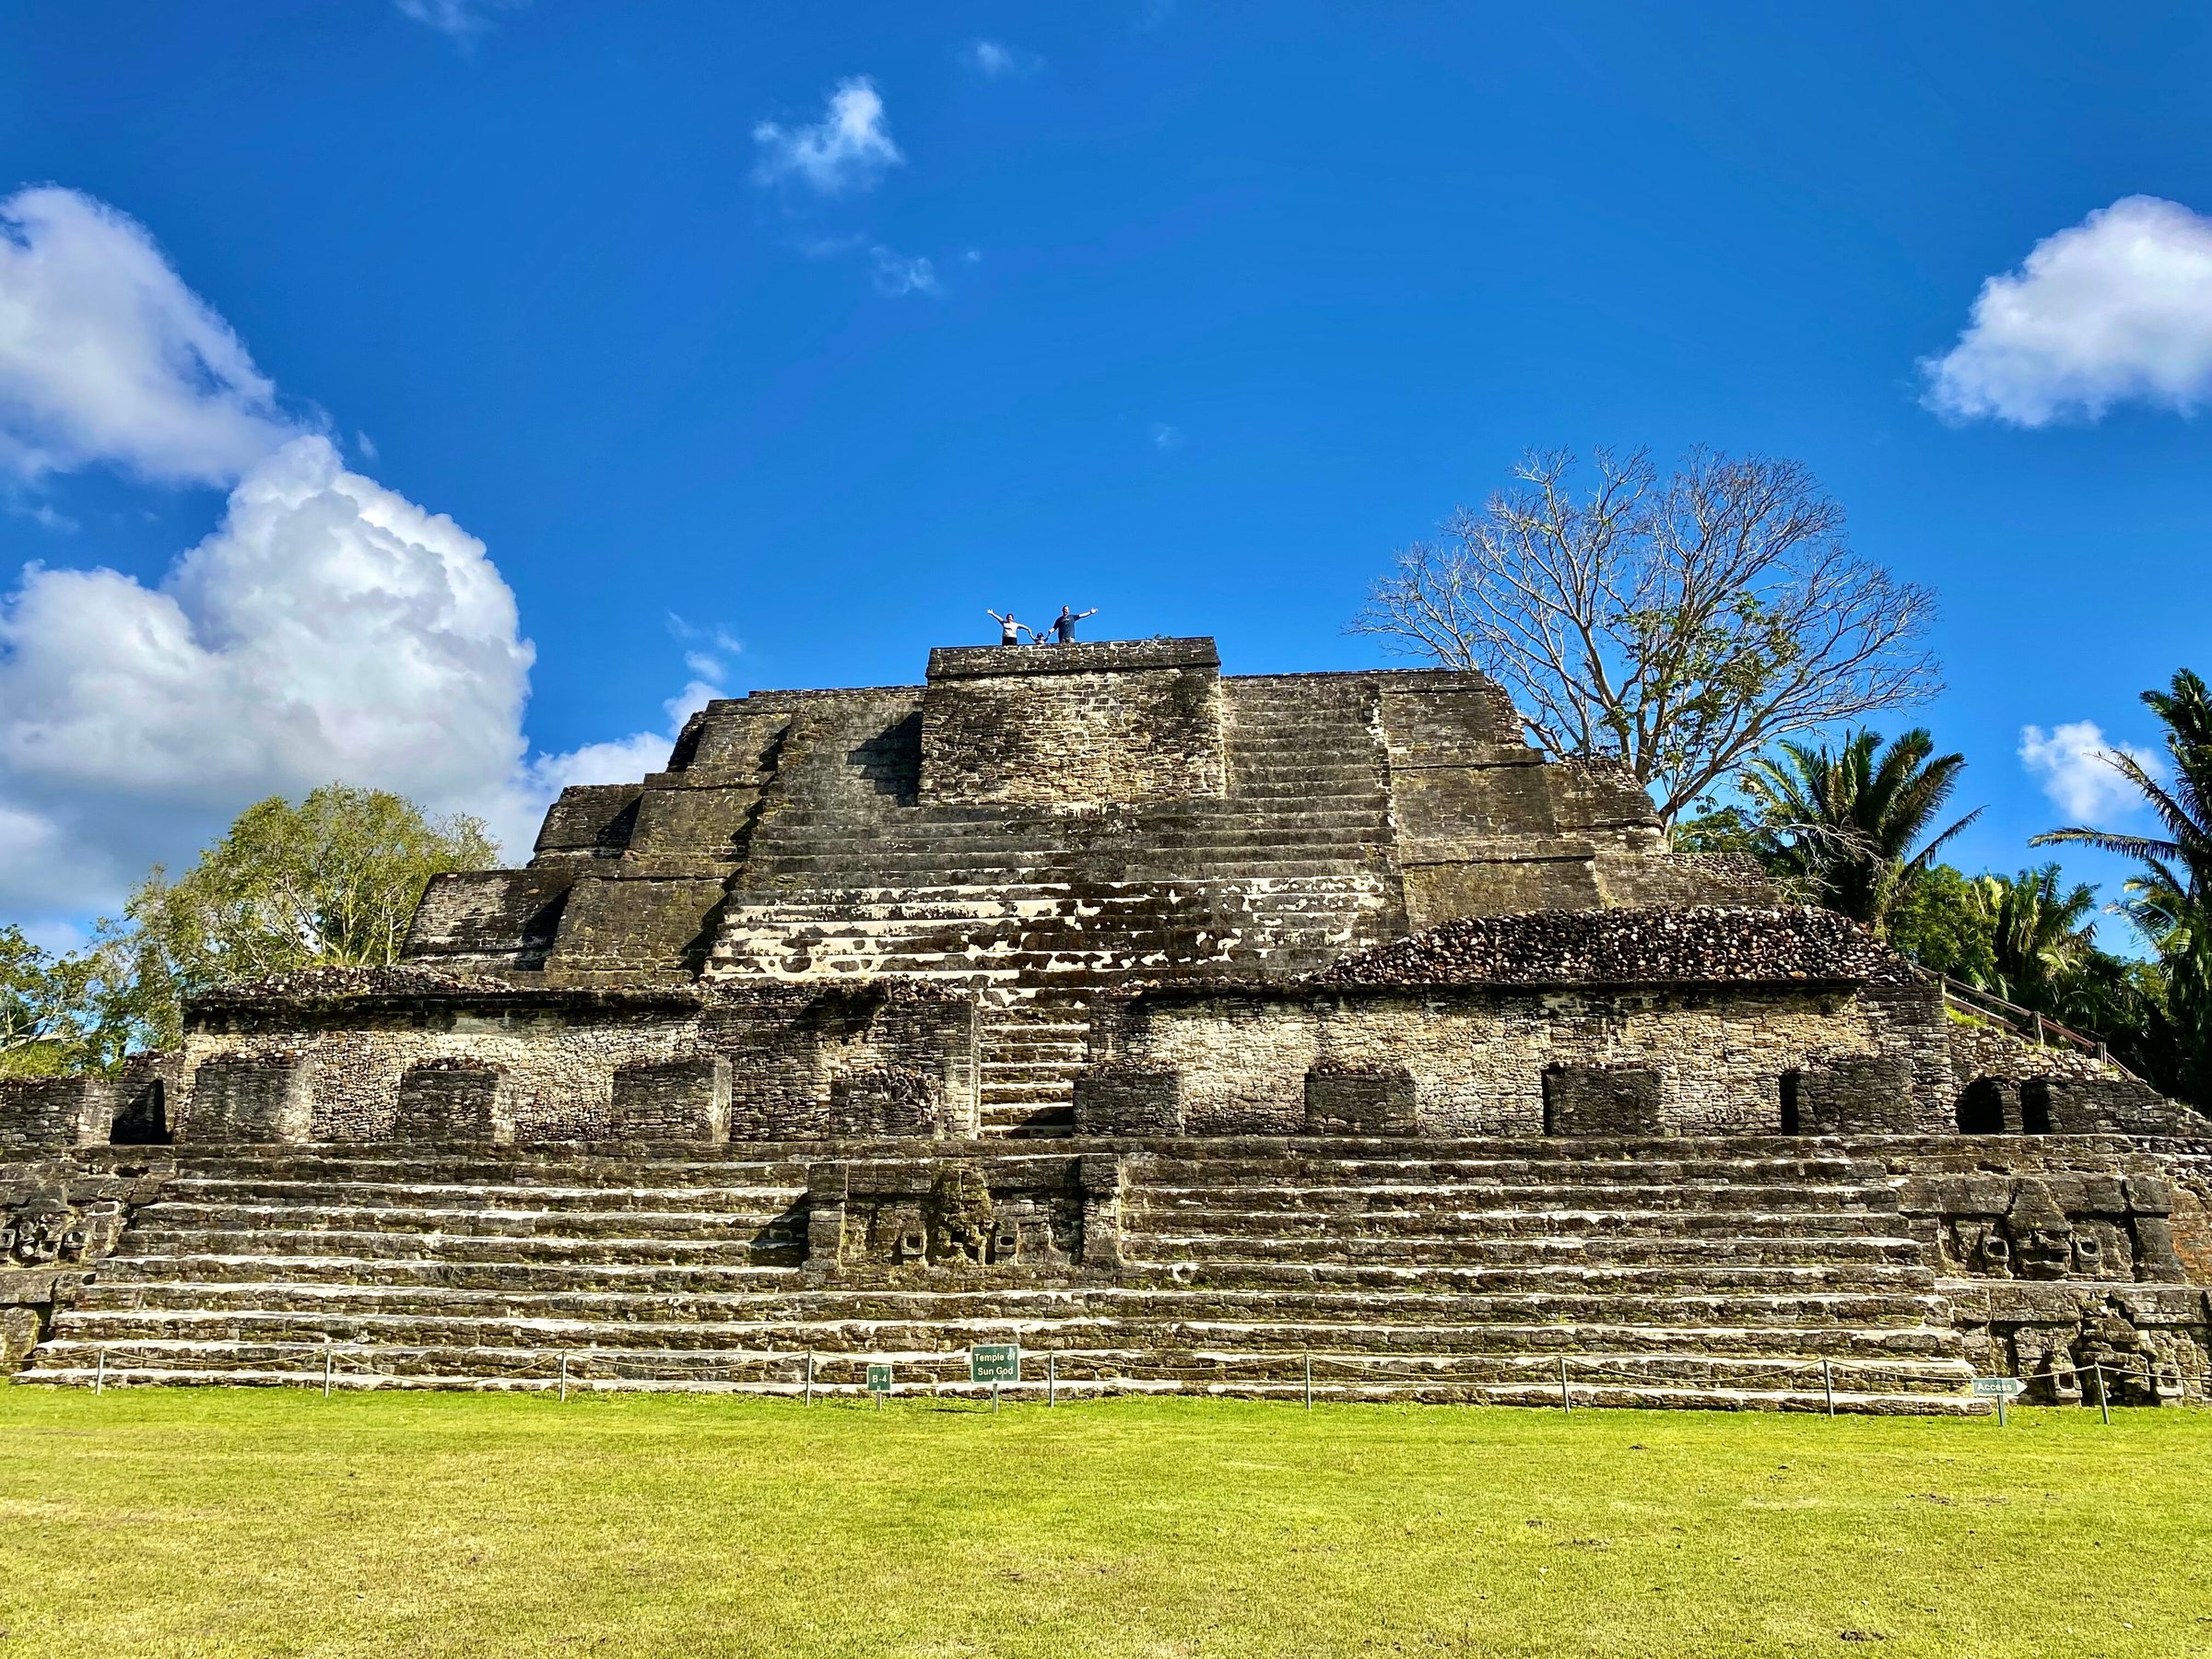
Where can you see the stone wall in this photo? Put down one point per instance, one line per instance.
(289, 1060)
(59, 1219)
(1479, 1057)
(48, 1113)
(1111, 724)
(2059, 1255)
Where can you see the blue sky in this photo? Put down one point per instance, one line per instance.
(1191, 313)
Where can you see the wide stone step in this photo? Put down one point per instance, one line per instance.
(1594, 1378)
(1435, 1245)
(212, 1342)
(150, 1247)
(1891, 1255)
(1219, 868)
(1390, 1166)
(1332, 1207)
(276, 1220)
(668, 1167)
(543, 1198)
(736, 1272)
(242, 1309)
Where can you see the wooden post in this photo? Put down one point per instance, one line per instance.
(99, 1372)
(564, 1378)
(994, 1399)
(808, 1398)
(1309, 1379)
(326, 1371)
(1051, 1377)
(1566, 1399)
(2104, 1405)
(1828, 1386)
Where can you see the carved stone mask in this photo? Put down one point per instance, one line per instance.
(2042, 1239)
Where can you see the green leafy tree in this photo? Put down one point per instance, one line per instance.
(1852, 827)
(333, 880)
(2169, 900)
(1939, 921)
(2041, 938)
(71, 1011)
(1677, 625)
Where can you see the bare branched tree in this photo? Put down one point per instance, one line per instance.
(1674, 623)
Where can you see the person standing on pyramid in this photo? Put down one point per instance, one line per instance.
(1009, 630)
(1063, 625)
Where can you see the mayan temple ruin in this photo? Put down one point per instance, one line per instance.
(1250, 1034)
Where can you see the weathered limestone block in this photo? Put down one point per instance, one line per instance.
(674, 1101)
(39, 1114)
(886, 1101)
(2096, 1106)
(1360, 1100)
(455, 1100)
(828, 1185)
(249, 1098)
(20, 1332)
(1117, 1099)
(1103, 1176)
(489, 921)
(1597, 1100)
(1119, 721)
(1850, 1094)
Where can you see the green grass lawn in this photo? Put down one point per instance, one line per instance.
(212, 1521)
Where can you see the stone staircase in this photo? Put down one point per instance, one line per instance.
(848, 877)
(1684, 1272)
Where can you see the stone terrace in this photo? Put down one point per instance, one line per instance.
(1040, 823)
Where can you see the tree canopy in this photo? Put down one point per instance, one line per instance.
(1852, 827)
(1674, 624)
(331, 881)
(2170, 900)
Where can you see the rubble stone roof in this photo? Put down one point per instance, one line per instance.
(1692, 944)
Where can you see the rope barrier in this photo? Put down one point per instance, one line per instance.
(1522, 1375)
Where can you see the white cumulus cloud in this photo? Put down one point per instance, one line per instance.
(106, 356)
(462, 20)
(994, 60)
(2116, 309)
(327, 629)
(2071, 760)
(896, 274)
(849, 148)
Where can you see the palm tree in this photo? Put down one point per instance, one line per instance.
(1853, 826)
(2180, 861)
(2170, 899)
(2037, 936)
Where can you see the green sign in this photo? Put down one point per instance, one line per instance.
(1999, 1387)
(994, 1362)
(879, 1379)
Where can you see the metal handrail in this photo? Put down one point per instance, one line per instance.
(2027, 1021)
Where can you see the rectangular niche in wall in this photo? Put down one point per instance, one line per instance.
(1119, 1100)
(443, 1102)
(252, 1098)
(887, 1100)
(1850, 1094)
(1360, 1100)
(1595, 1099)
(674, 1101)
